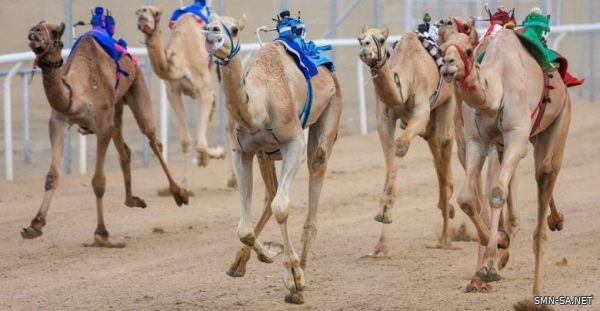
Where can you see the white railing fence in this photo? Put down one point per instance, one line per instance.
(558, 33)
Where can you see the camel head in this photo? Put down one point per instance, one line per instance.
(45, 36)
(458, 60)
(148, 18)
(452, 25)
(373, 46)
(222, 36)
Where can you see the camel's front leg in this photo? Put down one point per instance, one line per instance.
(238, 267)
(515, 148)
(386, 127)
(293, 156)
(417, 124)
(57, 127)
(206, 107)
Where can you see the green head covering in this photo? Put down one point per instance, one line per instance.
(427, 18)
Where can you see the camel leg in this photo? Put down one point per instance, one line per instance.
(386, 127)
(206, 106)
(56, 127)
(515, 148)
(548, 154)
(468, 198)
(99, 186)
(269, 176)
(514, 222)
(293, 156)
(176, 99)
(139, 102)
(321, 137)
(124, 158)
(440, 143)
(232, 180)
(555, 219)
(416, 125)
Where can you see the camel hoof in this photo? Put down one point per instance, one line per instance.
(293, 279)
(556, 223)
(478, 286)
(401, 149)
(528, 305)
(488, 275)
(30, 233)
(296, 298)
(99, 241)
(136, 202)
(237, 269)
(232, 182)
(451, 211)
(203, 158)
(383, 219)
(270, 251)
(180, 195)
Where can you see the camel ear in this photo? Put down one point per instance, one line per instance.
(365, 28)
(467, 29)
(385, 31)
(242, 22)
(58, 32)
(157, 12)
(214, 17)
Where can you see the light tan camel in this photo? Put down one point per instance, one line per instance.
(510, 227)
(82, 92)
(504, 92)
(184, 65)
(404, 85)
(264, 102)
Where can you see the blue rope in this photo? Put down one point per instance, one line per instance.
(305, 115)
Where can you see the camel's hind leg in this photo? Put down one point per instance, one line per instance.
(99, 184)
(440, 143)
(386, 127)
(206, 107)
(124, 158)
(322, 136)
(139, 102)
(56, 127)
(269, 176)
(548, 153)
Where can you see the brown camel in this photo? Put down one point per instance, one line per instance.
(404, 85)
(184, 65)
(504, 91)
(264, 102)
(82, 92)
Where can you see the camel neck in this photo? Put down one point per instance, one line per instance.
(162, 67)
(55, 85)
(390, 87)
(236, 97)
(473, 92)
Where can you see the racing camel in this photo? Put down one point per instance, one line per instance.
(84, 92)
(409, 90)
(264, 101)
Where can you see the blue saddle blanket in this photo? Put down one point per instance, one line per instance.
(199, 10)
(307, 55)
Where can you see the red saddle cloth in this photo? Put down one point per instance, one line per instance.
(568, 78)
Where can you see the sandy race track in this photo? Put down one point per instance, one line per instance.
(176, 257)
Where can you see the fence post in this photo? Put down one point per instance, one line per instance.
(362, 102)
(26, 133)
(8, 147)
(68, 44)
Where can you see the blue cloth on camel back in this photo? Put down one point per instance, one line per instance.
(103, 31)
(307, 55)
(198, 10)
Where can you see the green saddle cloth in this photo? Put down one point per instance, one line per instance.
(534, 27)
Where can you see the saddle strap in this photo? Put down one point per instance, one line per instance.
(541, 106)
(305, 114)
